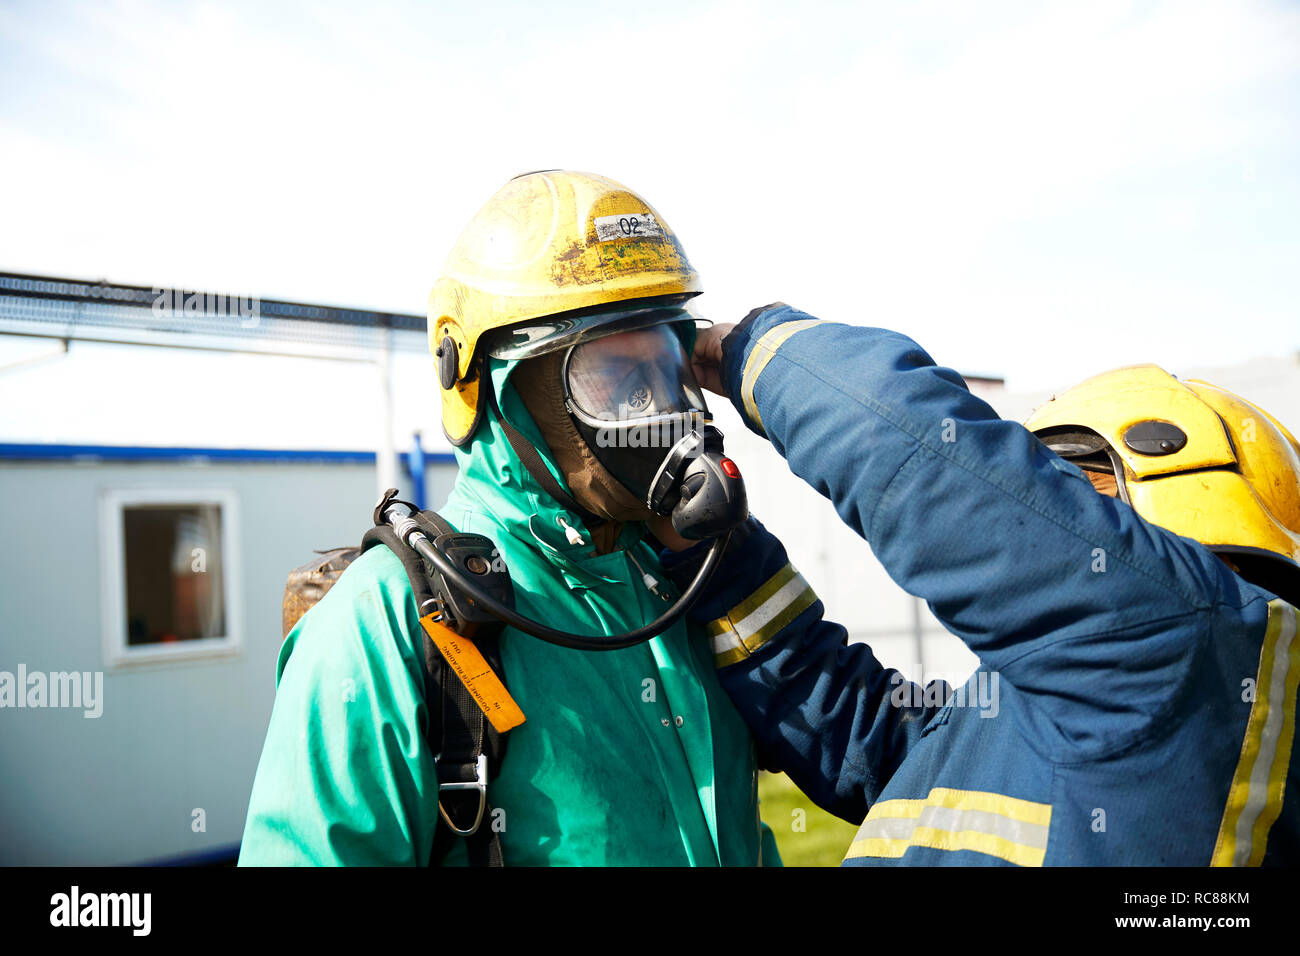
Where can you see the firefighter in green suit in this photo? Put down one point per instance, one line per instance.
(562, 305)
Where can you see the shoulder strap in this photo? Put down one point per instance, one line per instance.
(469, 750)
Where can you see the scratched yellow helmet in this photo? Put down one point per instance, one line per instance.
(1191, 457)
(553, 257)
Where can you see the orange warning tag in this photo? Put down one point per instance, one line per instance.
(475, 673)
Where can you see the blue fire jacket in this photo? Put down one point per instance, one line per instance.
(1135, 701)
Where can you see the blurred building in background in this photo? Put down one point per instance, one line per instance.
(167, 457)
(161, 469)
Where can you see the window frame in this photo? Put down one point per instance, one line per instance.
(117, 651)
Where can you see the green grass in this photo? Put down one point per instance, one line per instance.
(805, 834)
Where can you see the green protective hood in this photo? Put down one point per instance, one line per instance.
(492, 476)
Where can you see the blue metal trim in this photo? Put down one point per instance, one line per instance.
(415, 462)
(42, 452)
(24, 285)
(215, 856)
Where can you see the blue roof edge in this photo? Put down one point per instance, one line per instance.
(57, 452)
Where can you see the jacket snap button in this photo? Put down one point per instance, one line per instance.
(665, 721)
(678, 720)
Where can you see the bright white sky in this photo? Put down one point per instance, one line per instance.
(1035, 190)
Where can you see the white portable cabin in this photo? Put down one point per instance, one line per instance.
(161, 470)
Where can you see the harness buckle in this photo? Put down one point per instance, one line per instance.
(480, 784)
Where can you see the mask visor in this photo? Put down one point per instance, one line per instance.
(633, 398)
(639, 377)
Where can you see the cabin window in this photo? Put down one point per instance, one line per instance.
(168, 573)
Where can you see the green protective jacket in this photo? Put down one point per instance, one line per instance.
(628, 757)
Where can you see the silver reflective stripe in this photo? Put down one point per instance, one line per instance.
(754, 622)
(944, 818)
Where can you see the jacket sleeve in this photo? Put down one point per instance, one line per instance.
(343, 779)
(823, 711)
(1089, 611)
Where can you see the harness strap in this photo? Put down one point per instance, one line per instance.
(455, 726)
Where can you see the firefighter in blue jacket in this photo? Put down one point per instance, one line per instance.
(1143, 639)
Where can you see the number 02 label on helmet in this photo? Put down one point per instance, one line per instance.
(631, 225)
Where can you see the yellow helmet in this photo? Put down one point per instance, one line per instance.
(1188, 456)
(578, 250)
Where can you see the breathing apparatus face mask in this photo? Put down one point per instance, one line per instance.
(630, 394)
(635, 402)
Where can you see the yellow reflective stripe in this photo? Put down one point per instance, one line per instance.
(760, 355)
(971, 816)
(1255, 797)
(727, 648)
(721, 626)
(729, 657)
(760, 617)
(1011, 807)
(981, 843)
(897, 808)
(804, 600)
(1282, 754)
(753, 622)
(769, 587)
(948, 840)
(1225, 845)
(878, 846)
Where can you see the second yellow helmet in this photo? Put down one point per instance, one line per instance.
(1188, 456)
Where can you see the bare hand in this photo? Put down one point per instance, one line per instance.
(706, 360)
